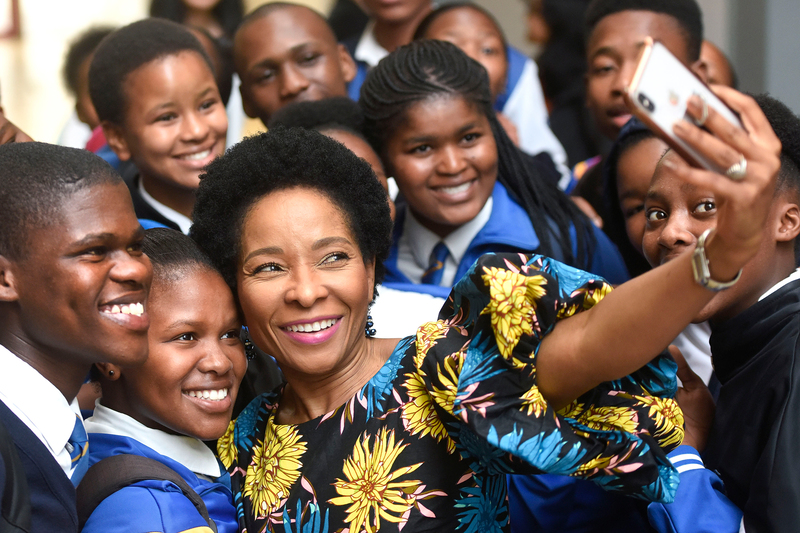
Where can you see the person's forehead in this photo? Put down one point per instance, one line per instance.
(626, 30)
(280, 31)
(464, 20)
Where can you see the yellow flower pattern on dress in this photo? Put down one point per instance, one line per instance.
(371, 489)
(512, 307)
(419, 415)
(275, 467)
(226, 447)
(456, 407)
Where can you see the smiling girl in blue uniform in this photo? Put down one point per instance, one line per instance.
(182, 395)
(429, 115)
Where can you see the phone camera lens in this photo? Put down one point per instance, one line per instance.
(646, 102)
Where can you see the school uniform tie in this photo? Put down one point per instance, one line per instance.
(77, 446)
(433, 275)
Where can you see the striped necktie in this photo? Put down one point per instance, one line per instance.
(433, 275)
(77, 446)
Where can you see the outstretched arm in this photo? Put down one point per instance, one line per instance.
(641, 317)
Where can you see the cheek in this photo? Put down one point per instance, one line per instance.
(634, 226)
(650, 247)
(411, 173)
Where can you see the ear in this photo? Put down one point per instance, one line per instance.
(81, 114)
(116, 140)
(8, 286)
(109, 371)
(347, 64)
(700, 68)
(788, 227)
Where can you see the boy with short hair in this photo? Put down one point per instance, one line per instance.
(73, 291)
(755, 333)
(287, 53)
(154, 90)
(615, 33)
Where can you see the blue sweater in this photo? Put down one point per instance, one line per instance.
(509, 230)
(157, 505)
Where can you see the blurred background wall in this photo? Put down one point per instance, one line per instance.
(759, 35)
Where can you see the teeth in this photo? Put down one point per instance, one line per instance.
(314, 326)
(455, 190)
(135, 309)
(197, 156)
(212, 395)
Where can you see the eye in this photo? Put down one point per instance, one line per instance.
(266, 75)
(706, 207)
(208, 104)
(95, 251)
(335, 257)
(309, 58)
(166, 117)
(421, 149)
(232, 334)
(471, 137)
(185, 337)
(267, 267)
(490, 51)
(601, 69)
(654, 215)
(135, 248)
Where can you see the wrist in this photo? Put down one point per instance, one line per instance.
(725, 261)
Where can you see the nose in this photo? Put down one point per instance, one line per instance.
(215, 359)
(195, 127)
(451, 161)
(306, 287)
(132, 269)
(293, 81)
(676, 232)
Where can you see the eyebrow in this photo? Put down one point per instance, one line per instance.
(277, 250)
(268, 250)
(271, 61)
(327, 241)
(93, 237)
(429, 138)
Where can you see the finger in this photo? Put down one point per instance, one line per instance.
(720, 154)
(749, 111)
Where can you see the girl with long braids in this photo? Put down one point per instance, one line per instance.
(466, 189)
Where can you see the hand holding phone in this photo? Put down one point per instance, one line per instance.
(659, 93)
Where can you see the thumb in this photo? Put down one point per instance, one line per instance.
(685, 373)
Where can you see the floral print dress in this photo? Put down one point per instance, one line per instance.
(426, 444)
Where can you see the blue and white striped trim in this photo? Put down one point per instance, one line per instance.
(685, 459)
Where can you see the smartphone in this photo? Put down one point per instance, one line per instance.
(658, 93)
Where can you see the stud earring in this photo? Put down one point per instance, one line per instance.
(111, 373)
(369, 331)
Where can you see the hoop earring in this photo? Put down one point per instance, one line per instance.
(369, 331)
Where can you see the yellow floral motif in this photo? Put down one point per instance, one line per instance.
(512, 306)
(427, 335)
(668, 419)
(226, 449)
(593, 295)
(274, 469)
(609, 465)
(534, 402)
(419, 415)
(609, 419)
(371, 489)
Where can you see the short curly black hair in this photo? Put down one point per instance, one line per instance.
(786, 126)
(127, 49)
(335, 113)
(283, 159)
(686, 13)
(37, 181)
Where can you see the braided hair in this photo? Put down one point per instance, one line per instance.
(427, 68)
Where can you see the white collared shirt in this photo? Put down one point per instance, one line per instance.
(39, 405)
(183, 222)
(417, 242)
(785, 281)
(368, 50)
(188, 451)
